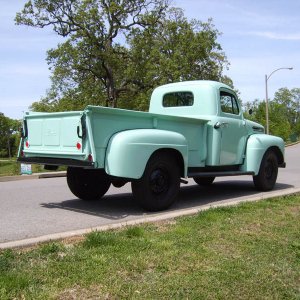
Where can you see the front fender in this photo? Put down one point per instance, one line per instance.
(257, 146)
(129, 151)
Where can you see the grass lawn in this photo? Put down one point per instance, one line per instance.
(11, 167)
(251, 251)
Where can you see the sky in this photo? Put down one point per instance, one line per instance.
(258, 37)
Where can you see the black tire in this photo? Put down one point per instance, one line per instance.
(267, 175)
(159, 186)
(205, 181)
(87, 184)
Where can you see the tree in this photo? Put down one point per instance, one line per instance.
(120, 50)
(290, 100)
(278, 126)
(176, 49)
(258, 111)
(93, 29)
(8, 135)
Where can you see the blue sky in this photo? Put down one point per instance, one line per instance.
(257, 37)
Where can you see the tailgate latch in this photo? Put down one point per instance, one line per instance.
(83, 128)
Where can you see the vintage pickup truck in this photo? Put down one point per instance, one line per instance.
(193, 129)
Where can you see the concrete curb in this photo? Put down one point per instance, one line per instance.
(292, 144)
(33, 176)
(147, 219)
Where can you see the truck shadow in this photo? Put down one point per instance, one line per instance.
(122, 206)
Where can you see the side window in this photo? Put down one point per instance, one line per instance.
(178, 99)
(229, 103)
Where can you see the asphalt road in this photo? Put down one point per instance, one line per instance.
(46, 208)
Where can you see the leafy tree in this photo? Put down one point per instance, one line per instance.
(120, 50)
(277, 125)
(285, 97)
(258, 111)
(290, 100)
(176, 49)
(94, 29)
(8, 136)
(72, 99)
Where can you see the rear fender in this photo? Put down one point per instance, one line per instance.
(257, 146)
(129, 151)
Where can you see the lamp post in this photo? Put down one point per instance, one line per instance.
(267, 101)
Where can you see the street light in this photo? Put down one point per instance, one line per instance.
(267, 104)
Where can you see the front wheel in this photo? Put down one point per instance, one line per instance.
(87, 184)
(267, 175)
(160, 183)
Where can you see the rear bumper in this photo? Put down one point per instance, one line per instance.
(56, 162)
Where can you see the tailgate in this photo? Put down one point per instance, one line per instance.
(55, 139)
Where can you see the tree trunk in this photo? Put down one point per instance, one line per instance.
(111, 92)
(8, 148)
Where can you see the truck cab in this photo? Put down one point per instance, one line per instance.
(227, 130)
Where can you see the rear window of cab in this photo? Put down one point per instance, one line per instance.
(178, 99)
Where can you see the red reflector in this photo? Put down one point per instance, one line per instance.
(78, 146)
(22, 153)
(90, 157)
(27, 144)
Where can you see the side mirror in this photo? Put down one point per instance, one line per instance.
(250, 112)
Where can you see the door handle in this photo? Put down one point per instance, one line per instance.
(217, 125)
(221, 124)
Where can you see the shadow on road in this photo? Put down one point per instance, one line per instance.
(119, 206)
(194, 195)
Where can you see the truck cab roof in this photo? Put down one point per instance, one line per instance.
(188, 98)
(192, 83)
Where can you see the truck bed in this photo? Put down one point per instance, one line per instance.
(80, 138)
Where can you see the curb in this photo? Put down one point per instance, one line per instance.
(33, 176)
(150, 219)
(292, 144)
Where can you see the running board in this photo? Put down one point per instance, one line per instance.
(218, 174)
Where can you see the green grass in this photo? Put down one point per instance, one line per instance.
(251, 251)
(9, 167)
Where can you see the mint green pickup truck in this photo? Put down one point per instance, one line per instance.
(193, 129)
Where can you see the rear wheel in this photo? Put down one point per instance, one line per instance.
(267, 175)
(160, 183)
(204, 180)
(88, 184)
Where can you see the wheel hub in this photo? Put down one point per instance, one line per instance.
(159, 181)
(269, 170)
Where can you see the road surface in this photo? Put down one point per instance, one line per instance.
(39, 207)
